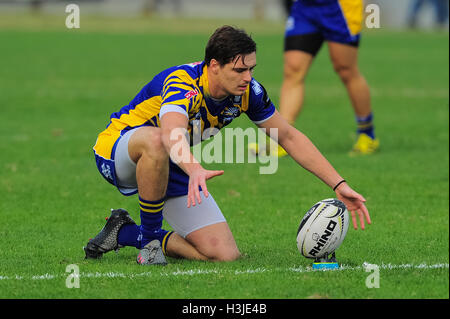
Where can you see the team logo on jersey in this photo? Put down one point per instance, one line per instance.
(229, 114)
(191, 94)
(256, 87)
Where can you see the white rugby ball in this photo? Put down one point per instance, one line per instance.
(323, 228)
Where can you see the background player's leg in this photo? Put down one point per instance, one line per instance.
(345, 62)
(296, 66)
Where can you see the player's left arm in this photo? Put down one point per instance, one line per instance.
(304, 152)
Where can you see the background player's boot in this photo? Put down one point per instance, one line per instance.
(365, 145)
(151, 254)
(254, 148)
(271, 148)
(106, 240)
(278, 151)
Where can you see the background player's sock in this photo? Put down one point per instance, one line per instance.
(365, 125)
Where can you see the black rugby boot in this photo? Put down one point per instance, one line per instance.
(106, 240)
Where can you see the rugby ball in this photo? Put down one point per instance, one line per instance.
(323, 228)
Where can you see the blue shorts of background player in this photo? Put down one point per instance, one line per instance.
(314, 21)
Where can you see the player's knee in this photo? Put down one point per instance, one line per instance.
(156, 139)
(216, 250)
(154, 145)
(346, 73)
(294, 73)
(226, 254)
(220, 251)
(215, 242)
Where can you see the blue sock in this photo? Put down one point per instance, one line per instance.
(151, 223)
(150, 228)
(129, 236)
(365, 125)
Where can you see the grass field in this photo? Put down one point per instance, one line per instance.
(58, 88)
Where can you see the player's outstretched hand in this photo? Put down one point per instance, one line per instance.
(354, 203)
(198, 178)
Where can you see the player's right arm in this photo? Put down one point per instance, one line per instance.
(178, 96)
(173, 136)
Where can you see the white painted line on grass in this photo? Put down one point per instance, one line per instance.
(196, 272)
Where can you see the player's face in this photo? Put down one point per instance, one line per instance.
(236, 75)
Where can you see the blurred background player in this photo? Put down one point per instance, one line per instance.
(339, 23)
(440, 8)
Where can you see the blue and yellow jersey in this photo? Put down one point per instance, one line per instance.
(182, 89)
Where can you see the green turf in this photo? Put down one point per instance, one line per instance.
(58, 88)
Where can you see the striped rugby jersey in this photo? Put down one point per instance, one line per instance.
(182, 89)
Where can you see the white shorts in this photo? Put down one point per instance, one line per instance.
(183, 220)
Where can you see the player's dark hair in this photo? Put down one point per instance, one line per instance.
(227, 43)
